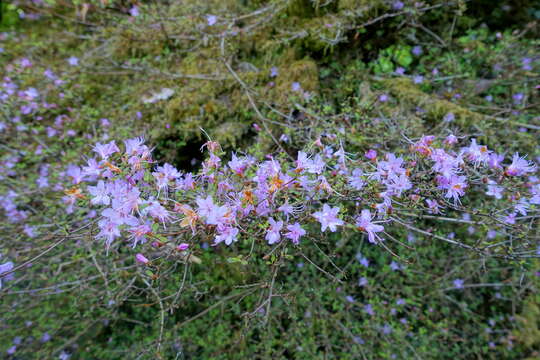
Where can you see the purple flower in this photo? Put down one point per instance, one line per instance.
(239, 165)
(5, 267)
(92, 168)
(75, 173)
(355, 180)
(25, 63)
(387, 329)
(434, 207)
(362, 281)
(520, 166)
(364, 223)
(99, 193)
(134, 11)
(494, 190)
(274, 72)
(105, 150)
(328, 218)
(495, 161)
(286, 208)
(227, 234)
(449, 117)
(454, 185)
(140, 258)
(157, 211)
(397, 184)
(273, 234)
(296, 87)
(418, 79)
(295, 233)
(30, 231)
(108, 230)
(369, 309)
(362, 260)
(135, 146)
(417, 50)
(518, 98)
(164, 174)
(214, 214)
(526, 64)
(42, 182)
(479, 154)
(522, 206)
(73, 61)
(371, 154)
(211, 20)
(46, 337)
(139, 232)
(182, 247)
(397, 5)
(458, 283)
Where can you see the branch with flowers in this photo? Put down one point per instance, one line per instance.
(275, 200)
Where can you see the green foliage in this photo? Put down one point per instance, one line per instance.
(101, 306)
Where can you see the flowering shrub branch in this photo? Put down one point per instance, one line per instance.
(278, 200)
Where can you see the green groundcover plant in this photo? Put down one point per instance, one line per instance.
(284, 179)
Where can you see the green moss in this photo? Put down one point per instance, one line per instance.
(404, 90)
(528, 332)
(359, 6)
(305, 72)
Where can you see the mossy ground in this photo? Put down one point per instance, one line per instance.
(344, 66)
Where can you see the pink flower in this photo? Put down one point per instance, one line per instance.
(328, 218)
(182, 247)
(364, 223)
(141, 259)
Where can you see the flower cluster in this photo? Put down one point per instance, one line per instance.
(281, 199)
